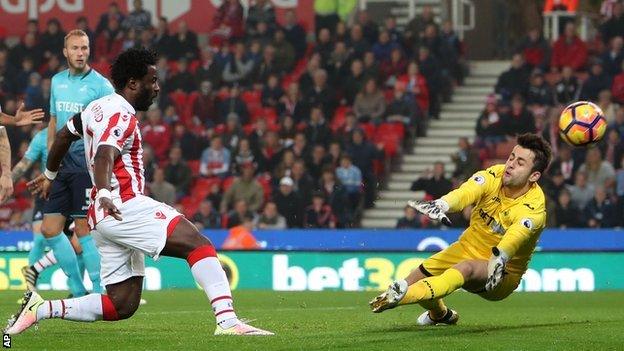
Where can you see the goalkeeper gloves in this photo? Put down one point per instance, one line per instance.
(496, 268)
(435, 210)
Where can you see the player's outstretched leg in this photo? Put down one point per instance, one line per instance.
(90, 255)
(63, 251)
(120, 303)
(186, 242)
(31, 273)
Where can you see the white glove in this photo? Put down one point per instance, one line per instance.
(496, 268)
(435, 210)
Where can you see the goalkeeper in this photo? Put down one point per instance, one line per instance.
(492, 254)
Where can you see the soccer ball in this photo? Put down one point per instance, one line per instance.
(582, 123)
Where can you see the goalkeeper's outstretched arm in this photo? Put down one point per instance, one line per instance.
(468, 193)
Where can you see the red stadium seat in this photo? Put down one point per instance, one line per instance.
(202, 187)
(190, 205)
(369, 130)
(339, 118)
(227, 183)
(194, 166)
(265, 181)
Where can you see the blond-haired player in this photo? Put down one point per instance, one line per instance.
(492, 254)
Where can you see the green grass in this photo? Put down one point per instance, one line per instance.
(182, 320)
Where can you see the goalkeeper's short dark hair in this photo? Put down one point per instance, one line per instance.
(541, 150)
(132, 63)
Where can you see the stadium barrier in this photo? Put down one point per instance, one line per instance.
(349, 271)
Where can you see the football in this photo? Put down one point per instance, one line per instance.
(582, 123)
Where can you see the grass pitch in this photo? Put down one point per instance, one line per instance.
(182, 320)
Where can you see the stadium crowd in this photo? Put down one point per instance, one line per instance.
(584, 187)
(258, 120)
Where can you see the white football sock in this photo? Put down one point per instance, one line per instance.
(87, 308)
(210, 275)
(44, 262)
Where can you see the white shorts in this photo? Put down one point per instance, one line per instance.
(143, 230)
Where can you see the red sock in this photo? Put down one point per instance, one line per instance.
(109, 312)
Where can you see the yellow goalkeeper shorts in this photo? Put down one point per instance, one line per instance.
(456, 253)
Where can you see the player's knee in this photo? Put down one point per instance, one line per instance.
(127, 308)
(465, 268)
(49, 230)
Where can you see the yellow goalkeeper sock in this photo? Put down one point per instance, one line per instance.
(434, 287)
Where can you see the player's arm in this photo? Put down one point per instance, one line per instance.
(21, 168)
(6, 183)
(51, 131)
(525, 227)
(467, 194)
(62, 141)
(22, 117)
(103, 169)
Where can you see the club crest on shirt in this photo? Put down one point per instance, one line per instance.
(527, 223)
(479, 179)
(117, 132)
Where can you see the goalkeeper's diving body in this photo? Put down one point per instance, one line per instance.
(492, 254)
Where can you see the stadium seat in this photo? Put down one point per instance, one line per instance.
(190, 205)
(227, 183)
(369, 130)
(339, 118)
(194, 166)
(202, 187)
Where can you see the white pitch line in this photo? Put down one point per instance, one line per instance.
(259, 309)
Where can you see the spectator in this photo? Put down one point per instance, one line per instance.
(178, 172)
(515, 80)
(270, 218)
(606, 104)
(53, 39)
(566, 215)
(23, 76)
(162, 38)
(466, 161)
(582, 191)
(239, 214)
(354, 82)
(403, 109)
(272, 92)
(384, 46)
(569, 50)
(317, 131)
(393, 68)
(34, 93)
(228, 21)
(295, 34)
(289, 203)
(371, 65)
(184, 43)
(146, 40)
(209, 69)
(285, 55)
(240, 236)
(535, 49)
(612, 58)
(244, 188)
(306, 80)
(539, 93)
(519, 120)
(434, 183)
(452, 51)
(238, 68)
(215, 195)
(26, 48)
(291, 104)
(156, 133)
(614, 25)
(182, 80)
(600, 212)
(205, 106)
(357, 42)
(270, 152)
(284, 167)
(411, 219)
(113, 13)
(363, 154)
(490, 124)
(267, 66)
(599, 172)
(206, 217)
(415, 28)
(351, 178)
(215, 160)
(568, 88)
(317, 162)
(138, 18)
(432, 72)
(370, 103)
(287, 131)
(617, 87)
(244, 155)
(234, 105)
(321, 94)
(190, 143)
(390, 24)
(318, 214)
(369, 27)
(324, 45)
(597, 81)
(565, 163)
(416, 86)
(337, 64)
(149, 165)
(612, 148)
(553, 186)
(304, 184)
(261, 11)
(110, 41)
(161, 190)
(326, 14)
(232, 132)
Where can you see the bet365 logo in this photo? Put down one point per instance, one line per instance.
(6, 341)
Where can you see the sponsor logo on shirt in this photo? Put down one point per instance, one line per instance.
(67, 106)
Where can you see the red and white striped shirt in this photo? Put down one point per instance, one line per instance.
(110, 121)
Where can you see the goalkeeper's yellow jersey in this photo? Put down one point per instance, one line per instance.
(512, 225)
